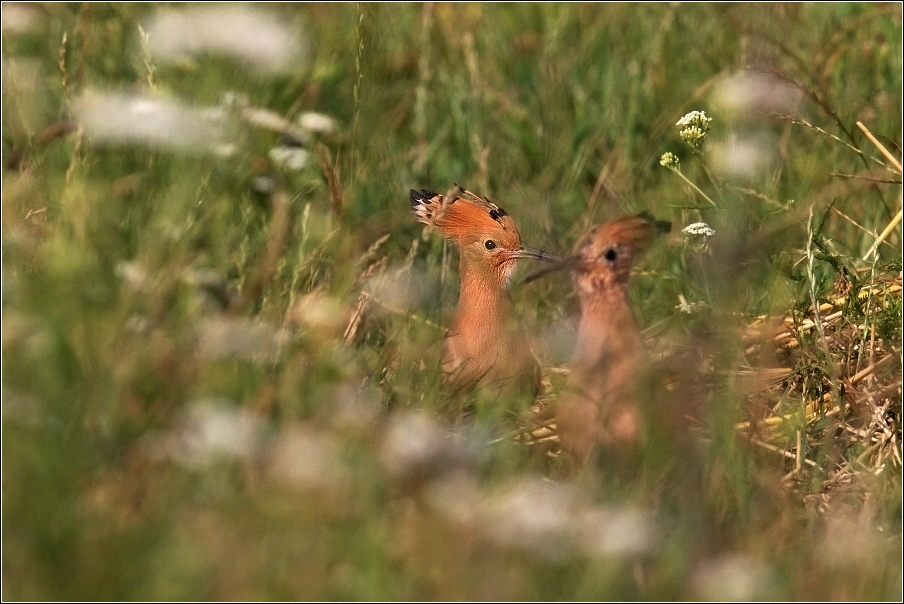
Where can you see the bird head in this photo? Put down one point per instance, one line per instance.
(486, 236)
(603, 258)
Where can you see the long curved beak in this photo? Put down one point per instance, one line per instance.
(560, 264)
(531, 252)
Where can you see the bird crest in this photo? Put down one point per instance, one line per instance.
(463, 215)
(635, 232)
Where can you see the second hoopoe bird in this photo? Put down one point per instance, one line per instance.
(484, 346)
(600, 406)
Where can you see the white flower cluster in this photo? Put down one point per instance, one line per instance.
(694, 127)
(670, 161)
(698, 229)
(697, 234)
(689, 308)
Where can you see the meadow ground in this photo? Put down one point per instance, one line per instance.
(221, 322)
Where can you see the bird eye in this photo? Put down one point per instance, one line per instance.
(489, 244)
(610, 254)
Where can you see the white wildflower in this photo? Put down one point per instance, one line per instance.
(698, 229)
(689, 308)
(693, 136)
(694, 127)
(670, 161)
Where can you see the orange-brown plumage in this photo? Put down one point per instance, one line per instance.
(484, 346)
(600, 406)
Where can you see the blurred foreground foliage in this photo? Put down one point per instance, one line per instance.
(220, 368)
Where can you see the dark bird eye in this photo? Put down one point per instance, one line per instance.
(611, 254)
(489, 244)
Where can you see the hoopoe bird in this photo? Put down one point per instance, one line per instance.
(484, 346)
(599, 406)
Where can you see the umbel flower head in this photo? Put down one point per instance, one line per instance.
(670, 161)
(697, 234)
(698, 229)
(694, 127)
(689, 308)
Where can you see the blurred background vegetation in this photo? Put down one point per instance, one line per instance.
(221, 321)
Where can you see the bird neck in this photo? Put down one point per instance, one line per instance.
(483, 300)
(485, 344)
(607, 327)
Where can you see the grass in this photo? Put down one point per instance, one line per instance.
(220, 373)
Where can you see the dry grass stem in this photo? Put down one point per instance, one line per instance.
(880, 146)
(884, 234)
(784, 453)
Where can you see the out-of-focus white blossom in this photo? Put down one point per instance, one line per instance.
(133, 274)
(317, 122)
(734, 578)
(457, 497)
(689, 308)
(611, 531)
(20, 18)
(306, 459)
(749, 93)
(249, 35)
(543, 518)
(742, 158)
(238, 338)
(352, 409)
(848, 540)
(266, 119)
(116, 118)
(534, 515)
(212, 431)
(230, 99)
(319, 311)
(289, 157)
(416, 448)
